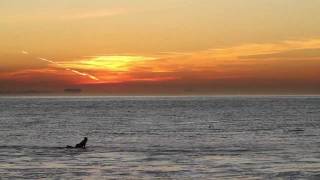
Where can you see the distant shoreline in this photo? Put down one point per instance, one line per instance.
(168, 96)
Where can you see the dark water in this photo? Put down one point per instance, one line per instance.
(160, 137)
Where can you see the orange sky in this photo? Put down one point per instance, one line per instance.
(160, 47)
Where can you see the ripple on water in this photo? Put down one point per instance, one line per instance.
(160, 137)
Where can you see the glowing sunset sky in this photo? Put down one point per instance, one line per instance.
(160, 47)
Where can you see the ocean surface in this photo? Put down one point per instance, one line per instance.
(226, 137)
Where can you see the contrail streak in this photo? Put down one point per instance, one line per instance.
(85, 74)
(52, 62)
(62, 66)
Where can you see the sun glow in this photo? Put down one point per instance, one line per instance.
(108, 63)
(116, 69)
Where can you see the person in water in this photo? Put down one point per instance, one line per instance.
(82, 144)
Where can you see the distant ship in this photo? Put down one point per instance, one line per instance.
(72, 90)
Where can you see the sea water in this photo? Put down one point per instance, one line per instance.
(223, 137)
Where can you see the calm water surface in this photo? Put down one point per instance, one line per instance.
(160, 137)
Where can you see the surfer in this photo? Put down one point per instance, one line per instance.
(82, 144)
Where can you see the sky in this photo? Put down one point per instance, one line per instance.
(176, 47)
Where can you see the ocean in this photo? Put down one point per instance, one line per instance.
(200, 137)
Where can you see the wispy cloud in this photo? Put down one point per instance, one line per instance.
(208, 64)
(24, 52)
(237, 62)
(292, 54)
(262, 48)
(95, 14)
(66, 15)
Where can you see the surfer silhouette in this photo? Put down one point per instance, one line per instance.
(82, 144)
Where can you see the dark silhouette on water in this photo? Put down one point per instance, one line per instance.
(82, 144)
